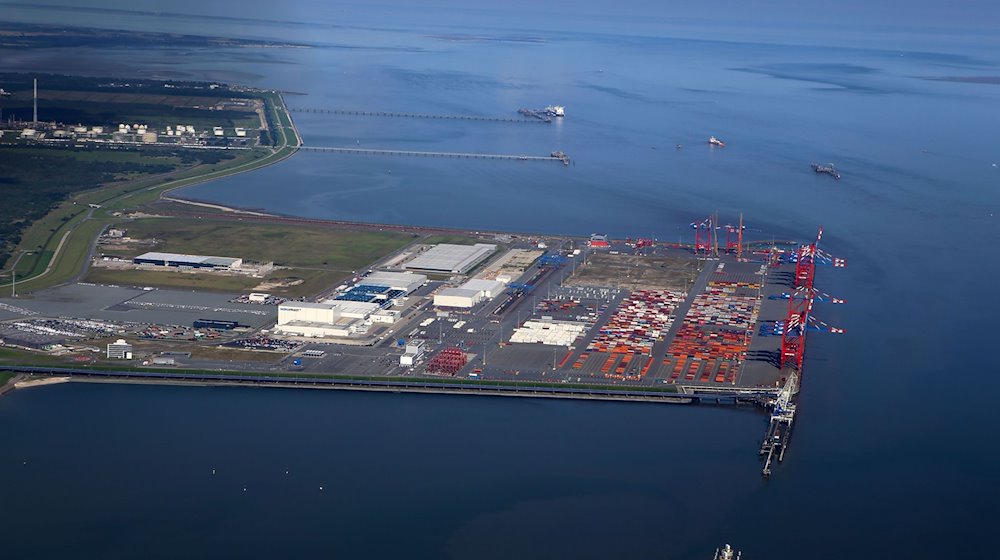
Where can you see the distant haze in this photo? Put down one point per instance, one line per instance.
(983, 14)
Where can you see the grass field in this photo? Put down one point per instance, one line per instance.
(203, 281)
(319, 257)
(16, 356)
(298, 246)
(235, 354)
(456, 239)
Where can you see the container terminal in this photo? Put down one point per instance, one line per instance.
(716, 321)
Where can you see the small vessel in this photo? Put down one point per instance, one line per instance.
(4, 92)
(727, 553)
(560, 155)
(555, 111)
(828, 169)
(716, 142)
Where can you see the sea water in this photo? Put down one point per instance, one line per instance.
(892, 449)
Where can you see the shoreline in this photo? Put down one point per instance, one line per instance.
(167, 196)
(484, 391)
(41, 382)
(228, 209)
(37, 376)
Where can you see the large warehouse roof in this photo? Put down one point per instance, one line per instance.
(305, 305)
(406, 281)
(489, 288)
(451, 258)
(459, 292)
(182, 259)
(358, 308)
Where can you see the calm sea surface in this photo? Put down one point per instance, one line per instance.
(894, 450)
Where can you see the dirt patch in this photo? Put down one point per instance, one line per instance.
(631, 272)
(278, 283)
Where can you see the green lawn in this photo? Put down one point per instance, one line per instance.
(17, 356)
(320, 257)
(312, 281)
(204, 281)
(456, 239)
(286, 245)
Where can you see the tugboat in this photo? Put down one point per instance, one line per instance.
(829, 169)
(712, 140)
(727, 553)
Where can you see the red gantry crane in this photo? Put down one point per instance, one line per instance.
(800, 303)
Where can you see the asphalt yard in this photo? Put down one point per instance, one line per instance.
(134, 305)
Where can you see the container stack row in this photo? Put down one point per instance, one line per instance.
(640, 321)
(715, 335)
(447, 362)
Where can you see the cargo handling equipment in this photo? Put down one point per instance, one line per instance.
(798, 322)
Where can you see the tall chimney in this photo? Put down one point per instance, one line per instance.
(35, 119)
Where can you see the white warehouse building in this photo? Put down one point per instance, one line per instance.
(489, 288)
(414, 350)
(448, 258)
(457, 297)
(333, 318)
(403, 281)
(469, 294)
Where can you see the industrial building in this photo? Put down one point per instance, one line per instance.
(457, 297)
(469, 294)
(403, 281)
(215, 324)
(414, 350)
(385, 289)
(489, 288)
(451, 259)
(120, 350)
(380, 295)
(187, 261)
(332, 318)
(598, 241)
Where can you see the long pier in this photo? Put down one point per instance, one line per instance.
(556, 156)
(779, 429)
(395, 114)
(416, 385)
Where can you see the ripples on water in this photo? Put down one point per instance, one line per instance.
(891, 452)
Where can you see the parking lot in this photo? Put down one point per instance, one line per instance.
(154, 306)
